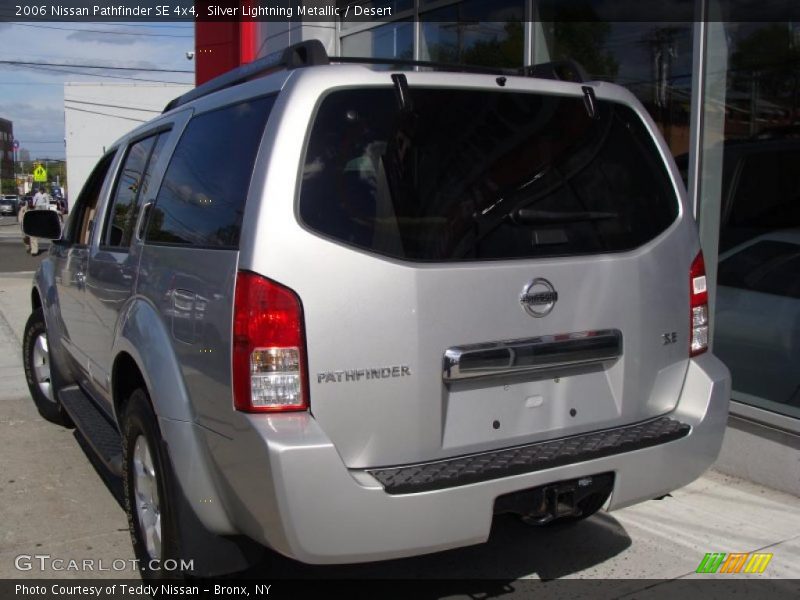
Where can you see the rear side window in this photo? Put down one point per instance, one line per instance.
(482, 175)
(132, 184)
(202, 196)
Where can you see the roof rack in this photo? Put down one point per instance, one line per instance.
(304, 54)
(562, 70)
(312, 53)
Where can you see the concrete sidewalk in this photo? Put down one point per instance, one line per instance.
(53, 501)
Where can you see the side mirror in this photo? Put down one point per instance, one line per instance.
(42, 224)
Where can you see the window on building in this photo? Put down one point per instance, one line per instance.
(752, 182)
(392, 40)
(474, 32)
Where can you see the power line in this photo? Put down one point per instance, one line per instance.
(102, 114)
(102, 31)
(69, 72)
(74, 66)
(150, 110)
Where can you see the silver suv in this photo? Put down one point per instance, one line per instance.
(349, 313)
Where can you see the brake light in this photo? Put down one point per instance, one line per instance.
(269, 358)
(698, 294)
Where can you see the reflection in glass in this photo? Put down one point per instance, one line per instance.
(393, 40)
(757, 330)
(652, 60)
(475, 33)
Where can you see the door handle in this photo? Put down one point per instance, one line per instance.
(532, 355)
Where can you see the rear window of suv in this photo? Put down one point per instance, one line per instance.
(482, 175)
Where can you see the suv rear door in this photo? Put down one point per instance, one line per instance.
(438, 214)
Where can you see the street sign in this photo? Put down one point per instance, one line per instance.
(39, 174)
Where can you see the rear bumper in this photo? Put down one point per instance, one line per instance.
(294, 494)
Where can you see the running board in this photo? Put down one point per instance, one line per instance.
(102, 436)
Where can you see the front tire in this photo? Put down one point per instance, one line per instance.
(147, 483)
(39, 371)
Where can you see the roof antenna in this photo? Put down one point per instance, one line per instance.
(403, 92)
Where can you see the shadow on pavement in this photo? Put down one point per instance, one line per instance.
(514, 550)
(112, 482)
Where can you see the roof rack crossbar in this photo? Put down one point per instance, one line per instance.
(305, 54)
(406, 62)
(561, 70)
(312, 53)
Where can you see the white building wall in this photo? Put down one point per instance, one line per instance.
(97, 114)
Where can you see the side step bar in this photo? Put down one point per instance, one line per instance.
(102, 436)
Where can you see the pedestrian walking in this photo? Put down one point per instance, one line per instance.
(41, 201)
(20, 214)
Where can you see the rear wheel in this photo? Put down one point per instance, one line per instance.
(147, 483)
(39, 372)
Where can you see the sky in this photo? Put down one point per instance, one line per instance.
(33, 96)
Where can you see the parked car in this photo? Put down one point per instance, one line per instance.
(9, 204)
(758, 319)
(350, 314)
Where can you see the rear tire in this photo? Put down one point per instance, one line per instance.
(147, 482)
(39, 371)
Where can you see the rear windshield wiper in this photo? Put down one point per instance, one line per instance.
(530, 216)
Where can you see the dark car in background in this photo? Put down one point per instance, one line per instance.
(760, 186)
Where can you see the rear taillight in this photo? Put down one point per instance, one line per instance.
(698, 294)
(269, 360)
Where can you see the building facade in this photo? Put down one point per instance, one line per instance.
(98, 114)
(725, 94)
(7, 176)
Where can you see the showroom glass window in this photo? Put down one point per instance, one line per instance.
(757, 141)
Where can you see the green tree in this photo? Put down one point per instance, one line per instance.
(769, 61)
(584, 42)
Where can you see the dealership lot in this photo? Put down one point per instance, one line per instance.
(54, 501)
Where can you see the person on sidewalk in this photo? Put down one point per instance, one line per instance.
(20, 214)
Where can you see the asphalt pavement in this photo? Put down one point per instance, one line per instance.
(56, 500)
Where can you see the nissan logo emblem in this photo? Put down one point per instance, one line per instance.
(538, 297)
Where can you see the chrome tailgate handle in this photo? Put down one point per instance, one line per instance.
(531, 355)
